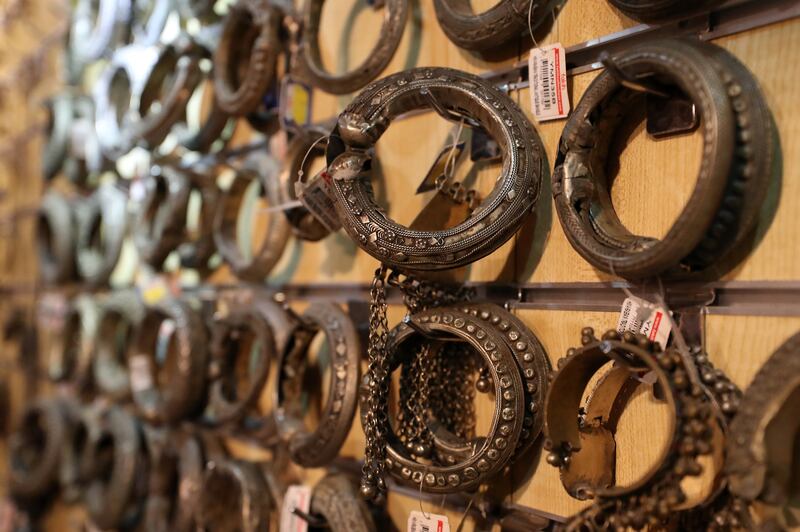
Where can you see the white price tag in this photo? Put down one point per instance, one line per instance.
(316, 197)
(419, 522)
(547, 75)
(640, 316)
(296, 497)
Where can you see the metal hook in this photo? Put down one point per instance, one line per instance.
(446, 113)
(626, 80)
(430, 335)
(312, 520)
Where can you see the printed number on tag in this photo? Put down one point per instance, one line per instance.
(547, 75)
(419, 522)
(296, 497)
(640, 316)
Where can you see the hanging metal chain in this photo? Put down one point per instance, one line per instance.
(414, 387)
(452, 389)
(377, 391)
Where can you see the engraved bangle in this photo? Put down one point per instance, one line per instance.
(245, 58)
(456, 94)
(336, 499)
(657, 493)
(102, 226)
(307, 60)
(120, 315)
(35, 450)
(502, 23)
(318, 447)
(305, 146)
(172, 390)
(262, 169)
(55, 238)
(733, 178)
(495, 450)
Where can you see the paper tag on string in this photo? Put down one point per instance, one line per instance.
(640, 316)
(419, 522)
(316, 197)
(295, 104)
(299, 497)
(547, 75)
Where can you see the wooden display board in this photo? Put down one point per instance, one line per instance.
(654, 180)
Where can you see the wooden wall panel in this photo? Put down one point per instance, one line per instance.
(653, 183)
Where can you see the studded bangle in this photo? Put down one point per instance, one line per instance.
(258, 266)
(532, 361)
(731, 184)
(657, 494)
(496, 449)
(173, 390)
(307, 61)
(245, 58)
(314, 449)
(459, 95)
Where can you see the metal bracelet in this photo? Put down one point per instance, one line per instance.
(659, 10)
(318, 447)
(459, 96)
(102, 226)
(55, 238)
(242, 349)
(260, 168)
(70, 354)
(762, 444)
(117, 93)
(234, 496)
(335, 498)
(654, 497)
(732, 182)
(492, 452)
(245, 58)
(61, 112)
(120, 315)
(307, 61)
(97, 27)
(161, 107)
(304, 147)
(170, 391)
(35, 450)
(118, 484)
(149, 20)
(502, 23)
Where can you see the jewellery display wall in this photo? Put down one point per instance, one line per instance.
(740, 317)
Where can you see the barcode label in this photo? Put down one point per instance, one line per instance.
(547, 74)
(419, 522)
